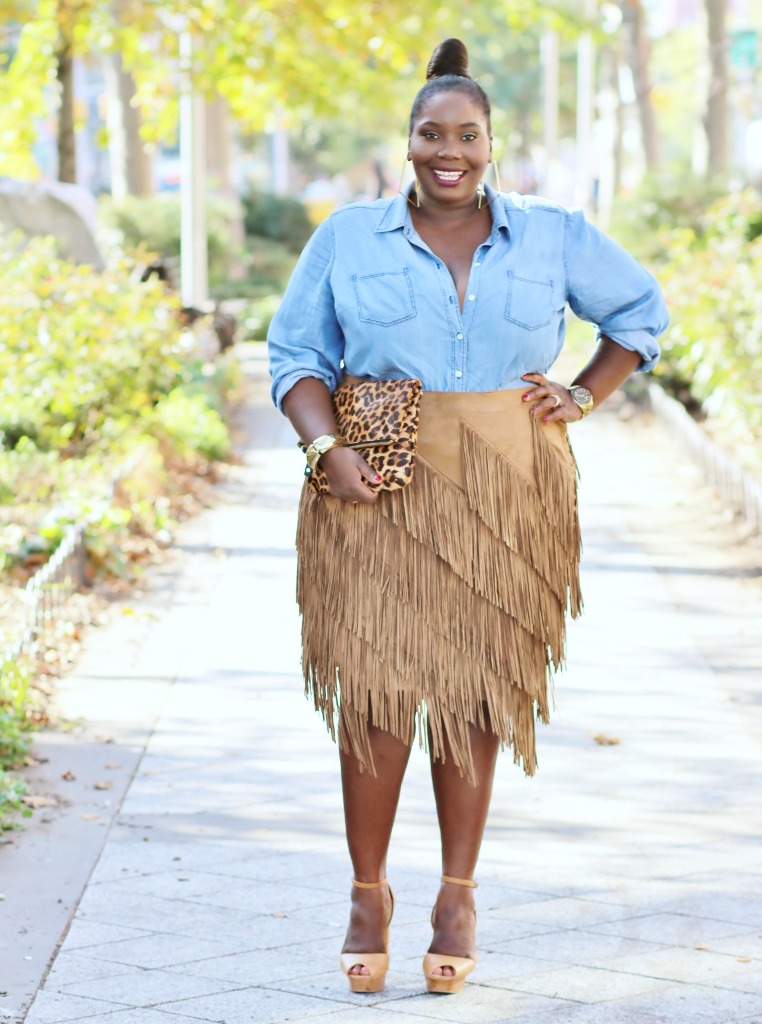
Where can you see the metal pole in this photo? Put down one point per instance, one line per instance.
(193, 250)
(585, 104)
(549, 61)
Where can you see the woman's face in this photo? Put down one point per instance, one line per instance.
(450, 148)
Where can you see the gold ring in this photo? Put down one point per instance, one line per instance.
(558, 401)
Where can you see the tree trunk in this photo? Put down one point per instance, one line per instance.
(131, 165)
(67, 151)
(716, 117)
(638, 57)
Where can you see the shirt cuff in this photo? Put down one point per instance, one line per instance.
(635, 341)
(280, 389)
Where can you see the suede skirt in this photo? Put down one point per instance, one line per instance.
(444, 604)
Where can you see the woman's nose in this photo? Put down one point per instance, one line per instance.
(449, 148)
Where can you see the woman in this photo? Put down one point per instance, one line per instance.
(443, 604)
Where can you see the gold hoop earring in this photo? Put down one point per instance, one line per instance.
(417, 202)
(481, 188)
(497, 177)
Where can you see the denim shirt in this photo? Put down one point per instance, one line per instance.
(369, 298)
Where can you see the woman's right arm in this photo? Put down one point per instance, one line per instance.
(309, 407)
(306, 347)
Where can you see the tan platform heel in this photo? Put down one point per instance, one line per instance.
(462, 966)
(377, 963)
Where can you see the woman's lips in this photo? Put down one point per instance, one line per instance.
(448, 178)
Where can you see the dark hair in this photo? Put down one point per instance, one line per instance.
(447, 71)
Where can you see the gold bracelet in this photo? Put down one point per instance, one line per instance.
(320, 446)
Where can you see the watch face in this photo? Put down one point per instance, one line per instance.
(581, 395)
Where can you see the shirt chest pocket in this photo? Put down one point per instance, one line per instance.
(384, 299)
(529, 303)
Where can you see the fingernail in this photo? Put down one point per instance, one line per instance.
(545, 419)
(525, 397)
(533, 409)
(378, 479)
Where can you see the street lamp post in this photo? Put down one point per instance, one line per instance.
(193, 248)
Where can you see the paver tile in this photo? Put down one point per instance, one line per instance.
(678, 929)
(51, 1007)
(244, 1006)
(161, 950)
(585, 984)
(480, 1004)
(146, 987)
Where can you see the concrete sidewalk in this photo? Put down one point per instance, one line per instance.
(622, 884)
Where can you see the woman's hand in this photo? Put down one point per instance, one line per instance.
(551, 401)
(349, 474)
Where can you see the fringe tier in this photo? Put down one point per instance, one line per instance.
(444, 604)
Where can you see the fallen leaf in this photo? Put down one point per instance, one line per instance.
(743, 959)
(103, 785)
(68, 775)
(90, 817)
(112, 767)
(278, 915)
(606, 741)
(39, 801)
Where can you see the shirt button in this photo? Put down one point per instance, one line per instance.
(458, 373)
(459, 337)
(471, 298)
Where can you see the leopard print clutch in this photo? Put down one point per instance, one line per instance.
(380, 419)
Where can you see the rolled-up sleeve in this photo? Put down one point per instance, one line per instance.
(610, 289)
(305, 338)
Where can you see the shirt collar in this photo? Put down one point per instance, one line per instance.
(396, 215)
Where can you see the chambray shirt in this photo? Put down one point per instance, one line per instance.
(369, 298)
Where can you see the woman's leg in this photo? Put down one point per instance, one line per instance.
(370, 806)
(462, 811)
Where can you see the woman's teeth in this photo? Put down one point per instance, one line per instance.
(449, 176)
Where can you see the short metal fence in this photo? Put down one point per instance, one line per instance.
(48, 592)
(736, 488)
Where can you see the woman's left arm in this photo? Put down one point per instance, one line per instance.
(608, 369)
(607, 287)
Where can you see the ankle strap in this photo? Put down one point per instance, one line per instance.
(461, 881)
(369, 885)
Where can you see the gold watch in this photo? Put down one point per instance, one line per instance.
(319, 447)
(583, 398)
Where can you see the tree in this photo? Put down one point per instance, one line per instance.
(716, 117)
(638, 50)
(274, 58)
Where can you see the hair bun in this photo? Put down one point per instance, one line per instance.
(449, 58)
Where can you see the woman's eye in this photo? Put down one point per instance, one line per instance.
(430, 135)
(468, 137)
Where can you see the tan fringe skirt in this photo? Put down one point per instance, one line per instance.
(444, 604)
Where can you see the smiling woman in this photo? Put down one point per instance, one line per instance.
(440, 607)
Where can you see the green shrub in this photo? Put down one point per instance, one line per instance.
(279, 218)
(713, 348)
(84, 353)
(258, 316)
(642, 222)
(15, 702)
(15, 706)
(154, 224)
(190, 425)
